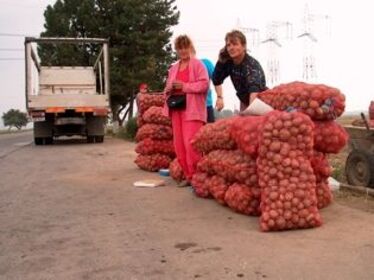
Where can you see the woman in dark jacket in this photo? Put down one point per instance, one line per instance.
(245, 72)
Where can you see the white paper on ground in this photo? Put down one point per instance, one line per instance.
(151, 183)
(257, 108)
(334, 185)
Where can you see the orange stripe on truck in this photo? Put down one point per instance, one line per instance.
(55, 110)
(95, 111)
(101, 112)
(84, 109)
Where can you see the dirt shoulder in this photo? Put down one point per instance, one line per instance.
(70, 211)
(354, 200)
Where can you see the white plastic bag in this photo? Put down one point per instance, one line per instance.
(257, 108)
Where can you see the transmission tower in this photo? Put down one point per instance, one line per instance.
(275, 31)
(252, 34)
(309, 36)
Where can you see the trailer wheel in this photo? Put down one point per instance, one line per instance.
(359, 168)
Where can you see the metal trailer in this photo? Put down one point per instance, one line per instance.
(67, 100)
(359, 166)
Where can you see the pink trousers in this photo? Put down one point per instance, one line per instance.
(183, 132)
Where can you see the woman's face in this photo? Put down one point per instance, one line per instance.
(184, 53)
(235, 48)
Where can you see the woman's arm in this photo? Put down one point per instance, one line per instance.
(219, 102)
(221, 72)
(169, 84)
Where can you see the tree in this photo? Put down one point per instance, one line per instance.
(139, 34)
(15, 118)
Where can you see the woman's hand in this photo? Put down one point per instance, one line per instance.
(219, 104)
(177, 85)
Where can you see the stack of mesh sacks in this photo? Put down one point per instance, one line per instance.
(154, 137)
(274, 165)
(225, 172)
(323, 105)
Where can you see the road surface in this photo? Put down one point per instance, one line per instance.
(14, 141)
(70, 211)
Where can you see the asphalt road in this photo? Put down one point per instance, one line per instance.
(70, 211)
(10, 143)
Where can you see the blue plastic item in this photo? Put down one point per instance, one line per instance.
(164, 172)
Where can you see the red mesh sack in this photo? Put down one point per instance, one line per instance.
(319, 101)
(243, 199)
(204, 165)
(149, 147)
(214, 136)
(147, 100)
(324, 194)
(176, 171)
(245, 131)
(329, 137)
(217, 188)
(153, 162)
(199, 184)
(139, 121)
(155, 132)
(322, 171)
(154, 115)
(286, 177)
(321, 166)
(232, 165)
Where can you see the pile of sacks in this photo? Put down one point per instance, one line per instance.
(154, 136)
(274, 166)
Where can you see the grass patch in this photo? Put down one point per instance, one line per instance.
(354, 200)
(128, 132)
(338, 170)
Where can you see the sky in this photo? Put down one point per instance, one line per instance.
(343, 60)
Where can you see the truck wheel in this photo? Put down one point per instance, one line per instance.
(359, 168)
(49, 140)
(99, 139)
(90, 139)
(38, 141)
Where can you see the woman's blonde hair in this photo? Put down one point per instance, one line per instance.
(183, 41)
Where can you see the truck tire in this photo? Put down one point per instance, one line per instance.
(99, 139)
(38, 141)
(359, 168)
(49, 140)
(90, 139)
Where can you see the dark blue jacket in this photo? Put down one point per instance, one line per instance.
(247, 77)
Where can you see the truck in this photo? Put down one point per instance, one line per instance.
(67, 100)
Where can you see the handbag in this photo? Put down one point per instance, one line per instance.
(176, 102)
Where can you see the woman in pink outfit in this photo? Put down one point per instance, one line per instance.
(186, 89)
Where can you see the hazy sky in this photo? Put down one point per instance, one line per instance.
(344, 60)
